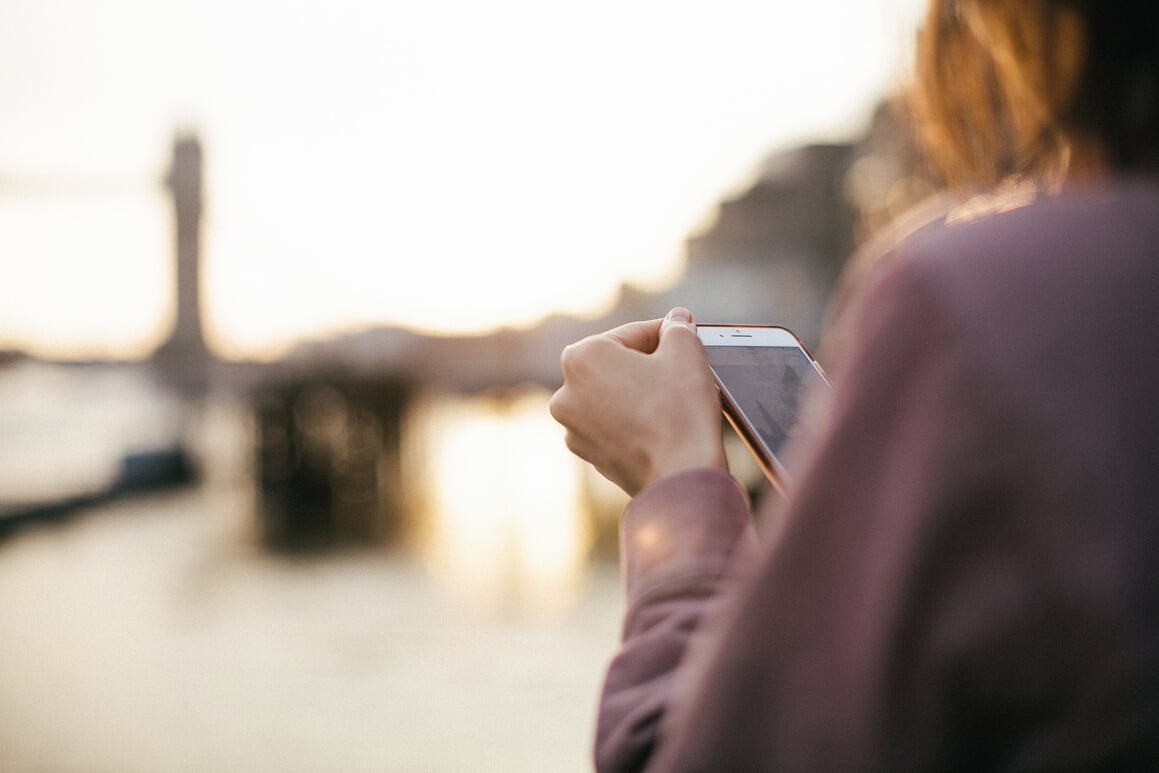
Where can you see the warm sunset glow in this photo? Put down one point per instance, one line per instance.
(503, 499)
(449, 167)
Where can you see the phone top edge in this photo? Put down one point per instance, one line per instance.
(715, 334)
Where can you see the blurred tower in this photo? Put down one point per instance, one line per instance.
(183, 359)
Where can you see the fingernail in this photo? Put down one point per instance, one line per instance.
(680, 314)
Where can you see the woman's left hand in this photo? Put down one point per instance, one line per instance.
(639, 402)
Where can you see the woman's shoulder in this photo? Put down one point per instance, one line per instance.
(1006, 262)
(1017, 216)
(1016, 235)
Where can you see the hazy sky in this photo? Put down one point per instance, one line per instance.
(450, 165)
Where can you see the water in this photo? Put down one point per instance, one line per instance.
(153, 635)
(64, 430)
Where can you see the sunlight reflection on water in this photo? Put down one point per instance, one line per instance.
(504, 514)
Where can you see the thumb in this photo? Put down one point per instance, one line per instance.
(677, 320)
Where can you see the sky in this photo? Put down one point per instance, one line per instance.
(450, 166)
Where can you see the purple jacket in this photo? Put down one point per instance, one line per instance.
(967, 576)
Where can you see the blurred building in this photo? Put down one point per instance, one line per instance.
(773, 250)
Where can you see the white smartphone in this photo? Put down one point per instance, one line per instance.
(763, 373)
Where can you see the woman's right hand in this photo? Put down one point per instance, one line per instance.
(639, 402)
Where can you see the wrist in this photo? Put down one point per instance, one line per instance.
(686, 525)
(709, 456)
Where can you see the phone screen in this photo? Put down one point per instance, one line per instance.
(765, 383)
(763, 375)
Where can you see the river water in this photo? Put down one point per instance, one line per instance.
(152, 634)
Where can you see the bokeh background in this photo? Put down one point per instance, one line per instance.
(282, 292)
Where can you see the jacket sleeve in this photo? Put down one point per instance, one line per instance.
(678, 538)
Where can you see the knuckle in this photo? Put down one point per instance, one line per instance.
(567, 358)
(556, 406)
(575, 357)
(574, 444)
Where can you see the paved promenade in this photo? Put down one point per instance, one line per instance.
(147, 637)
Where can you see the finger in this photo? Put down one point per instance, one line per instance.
(641, 336)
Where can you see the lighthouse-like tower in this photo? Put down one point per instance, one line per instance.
(184, 359)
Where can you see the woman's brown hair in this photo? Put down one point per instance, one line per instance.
(1036, 87)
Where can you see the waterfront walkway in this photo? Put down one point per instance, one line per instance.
(145, 636)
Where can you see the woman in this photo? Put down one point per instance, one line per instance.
(967, 574)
